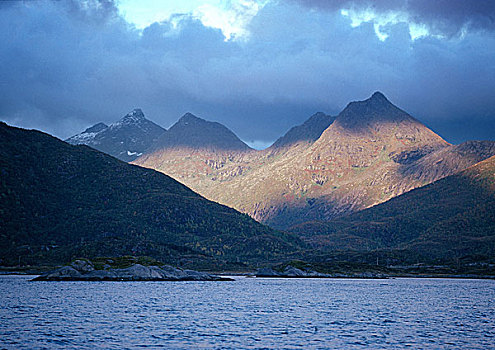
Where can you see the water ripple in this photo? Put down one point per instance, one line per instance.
(248, 314)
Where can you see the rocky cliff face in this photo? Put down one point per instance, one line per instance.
(126, 139)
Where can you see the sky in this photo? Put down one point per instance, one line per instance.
(257, 66)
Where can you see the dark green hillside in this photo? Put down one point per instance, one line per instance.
(450, 220)
(58, 201)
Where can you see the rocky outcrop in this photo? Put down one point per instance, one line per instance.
(83, 270)
(294, 272)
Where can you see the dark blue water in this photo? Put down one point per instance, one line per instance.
(249, 313)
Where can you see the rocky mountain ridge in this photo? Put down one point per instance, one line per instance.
(126, 139)
(308, 132)
(353, 163)
(326, 167)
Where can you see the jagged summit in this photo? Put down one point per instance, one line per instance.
(376, 102)
(136, 113)
(136, 116)
(378, 96)
(125, 139)
(193, 132)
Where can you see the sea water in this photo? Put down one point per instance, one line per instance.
(250, 313)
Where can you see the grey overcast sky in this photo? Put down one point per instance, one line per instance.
(257, 66)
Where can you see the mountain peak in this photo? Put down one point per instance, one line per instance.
(196, 133)
(378, 96)
(375, 109)
(190, 118)
(376, 101)
(134, 116)
(125, 139)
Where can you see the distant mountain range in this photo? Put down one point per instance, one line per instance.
(60, 201)
(134, 135)
(371, 183)
(325, 168)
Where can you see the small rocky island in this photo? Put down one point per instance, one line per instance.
(290, 271)
(124, 269)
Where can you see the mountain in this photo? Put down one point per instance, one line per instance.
(206, 156)
(198, 153)
(448, 160)
(191, 132)
(349, 167)
(125, 139)
(309, 131)
(450, 220)
(371, 152)
(61, 201)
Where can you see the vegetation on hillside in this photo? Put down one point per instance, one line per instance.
(59, 201)
(449, 221)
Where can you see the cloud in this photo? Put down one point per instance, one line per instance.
(72, 64)
(382, 21)
(440, 17)
(232, 17)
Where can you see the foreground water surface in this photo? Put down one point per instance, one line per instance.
(248, 313)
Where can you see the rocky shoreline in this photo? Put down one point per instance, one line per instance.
(294, 272)
(83, 270)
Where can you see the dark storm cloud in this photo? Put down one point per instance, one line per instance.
(448, 17)
(67, 65)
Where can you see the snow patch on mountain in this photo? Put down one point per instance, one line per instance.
(129, 153)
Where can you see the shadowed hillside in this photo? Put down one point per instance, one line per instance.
(191, 132)
(59, 201)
